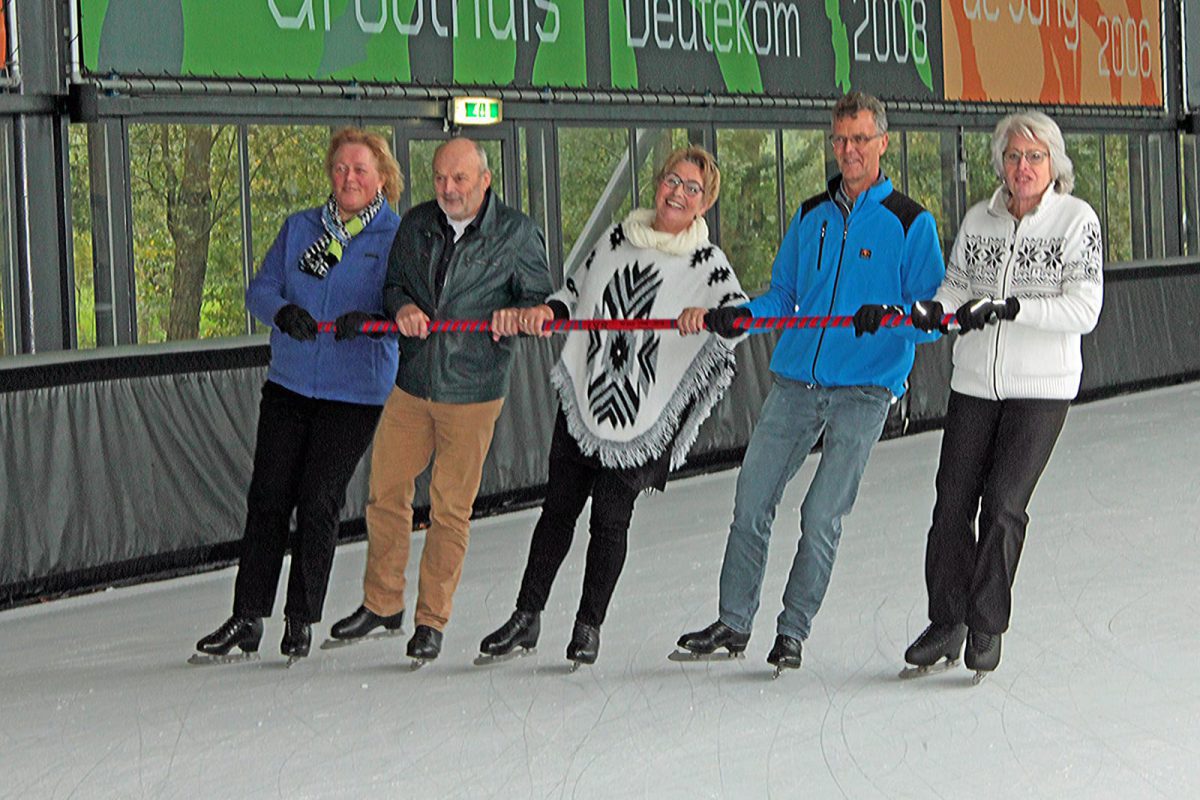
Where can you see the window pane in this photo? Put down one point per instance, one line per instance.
(187, 234)
(532, 148)
(523, 158)
(981, 178)
(419, 183)
(7, 320)
(1084, 151)
(892, 160)
(495, 153)
(81, 236)
(594, 185)
(420, 165)
(928, 183)
(750, 213)
(1119, 214)
(287, 174)
(653, 146)
(803, 167)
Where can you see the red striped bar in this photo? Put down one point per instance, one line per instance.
(567, 325)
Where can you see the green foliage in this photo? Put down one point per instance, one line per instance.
(5, 250)
(287, 174)
(750, 210)
(928, 183)
(1084, 150)
(587, 160)
(81, 236)
(1119, 213)
(804, 156)
(981, 178)
(156, 155)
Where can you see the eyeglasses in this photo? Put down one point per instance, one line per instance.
(858, 140)
(690, 188)
(1034, 158)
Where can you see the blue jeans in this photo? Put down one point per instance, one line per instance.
(793, 418)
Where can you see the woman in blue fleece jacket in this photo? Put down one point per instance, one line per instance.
(323, 394)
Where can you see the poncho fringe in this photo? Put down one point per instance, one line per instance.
(701, 386)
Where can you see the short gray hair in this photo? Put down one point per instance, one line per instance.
(850, 104)
(1035, 125)
(479, 151)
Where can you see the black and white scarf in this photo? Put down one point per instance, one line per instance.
(326, 251)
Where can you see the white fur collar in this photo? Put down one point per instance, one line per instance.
(637, 228)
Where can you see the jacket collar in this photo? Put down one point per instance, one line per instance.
(998, 205)
(875, 193)
(485, 217)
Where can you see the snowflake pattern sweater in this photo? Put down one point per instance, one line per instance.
(1051, 260)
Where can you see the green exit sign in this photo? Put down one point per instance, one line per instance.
(475, 111)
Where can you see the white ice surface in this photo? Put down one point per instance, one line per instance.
(1097, 695)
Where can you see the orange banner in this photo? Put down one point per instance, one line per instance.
(1066, 52)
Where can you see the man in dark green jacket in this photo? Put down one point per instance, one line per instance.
(465, 255)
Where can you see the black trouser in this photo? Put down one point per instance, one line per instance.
(305, 454)
(993, 453)
(572, 480)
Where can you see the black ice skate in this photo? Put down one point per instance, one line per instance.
(243, 633)
(358, 627)
(585, 645)
(424, 646)
(941, 640)
(703, 645)
(297, 640)
(983, 654)
(517, 637)
(785, 654)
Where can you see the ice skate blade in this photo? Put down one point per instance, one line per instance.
(417, 663)
(716, 655)
(910, 672)
(575, 665)
(780, 669)
(292, 661)
(334, 644)
(484, 659)
(980, 675)
(206, 660)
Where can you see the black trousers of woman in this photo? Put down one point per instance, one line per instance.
(993, 453)
(304, 457)
(573, 478)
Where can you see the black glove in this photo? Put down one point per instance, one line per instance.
(349, 325)
(927, 316)
(296, 323)
(1008, 309)
(720, 320)
(974, 314)
(868, 318)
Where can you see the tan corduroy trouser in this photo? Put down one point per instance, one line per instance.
(411, 431)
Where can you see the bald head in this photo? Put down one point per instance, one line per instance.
(461, 178)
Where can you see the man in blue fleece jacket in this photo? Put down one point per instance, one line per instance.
(860, 248)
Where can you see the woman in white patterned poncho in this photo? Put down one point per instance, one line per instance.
(631, 402)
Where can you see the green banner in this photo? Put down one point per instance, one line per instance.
(789, 48)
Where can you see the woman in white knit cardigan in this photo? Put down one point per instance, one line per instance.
(1017, 366)
(630, 402)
